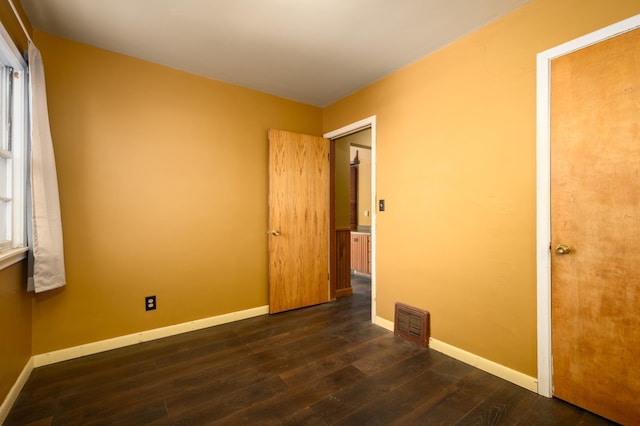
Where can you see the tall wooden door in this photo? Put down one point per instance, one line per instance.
(298, 220)
(595, 227)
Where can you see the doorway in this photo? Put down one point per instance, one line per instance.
(367, 123)
(545, 381)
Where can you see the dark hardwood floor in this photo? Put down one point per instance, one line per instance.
(321, 365)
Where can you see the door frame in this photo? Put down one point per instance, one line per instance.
(543, 192)
(365, 123)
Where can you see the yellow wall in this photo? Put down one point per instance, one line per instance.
(163, 182)
(345, 152)
(15, 302)
(364, 184)
(342, 176)
(15, 325)
(456, 165)
(163, 187)
(360, 138)
(359, 141)
(12, 25)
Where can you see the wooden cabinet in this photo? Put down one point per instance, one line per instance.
(361, 253)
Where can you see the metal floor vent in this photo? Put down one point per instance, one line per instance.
(412, 324)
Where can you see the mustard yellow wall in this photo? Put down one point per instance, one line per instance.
(15, 325)
(12, 25)
(15, 302)
(358, 142)
(364, 184)
(163, 187)
(456, 165)
(342, 176)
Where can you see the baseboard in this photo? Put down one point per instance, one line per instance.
(15, 391)
(341, 292)
(144, 336)
(498, 370)
(384, 323)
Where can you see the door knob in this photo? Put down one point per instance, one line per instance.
(562, 249)
(275, 232)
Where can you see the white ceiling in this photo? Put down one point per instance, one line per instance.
(311, 51)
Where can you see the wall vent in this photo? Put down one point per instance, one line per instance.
(412, 324)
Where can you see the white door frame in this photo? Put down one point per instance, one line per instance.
(369, 122)
(543, 192)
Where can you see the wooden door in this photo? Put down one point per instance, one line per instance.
(595, 208)
(298, 220)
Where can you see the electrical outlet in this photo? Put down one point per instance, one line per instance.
(150, 303)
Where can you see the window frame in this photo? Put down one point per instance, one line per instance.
(15, 249)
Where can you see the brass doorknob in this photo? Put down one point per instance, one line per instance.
(275, 232)
(562, 249)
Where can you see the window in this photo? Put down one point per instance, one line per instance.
(13, 146)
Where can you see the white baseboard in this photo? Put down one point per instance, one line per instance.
(499, 370)
(489, 366)
(143, 336)
(15, 391)
(384, 323)
(118, 342)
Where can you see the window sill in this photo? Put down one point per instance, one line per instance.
(12, 256)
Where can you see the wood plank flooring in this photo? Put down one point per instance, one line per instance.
(316, 366)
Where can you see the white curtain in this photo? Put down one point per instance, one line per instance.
(46, 266)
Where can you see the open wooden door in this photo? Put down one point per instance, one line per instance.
(298, 220)
(595, 227)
